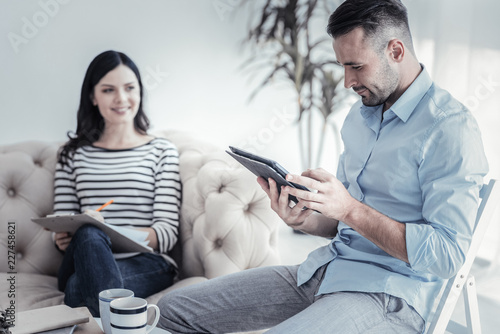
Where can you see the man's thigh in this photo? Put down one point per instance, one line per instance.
(352, 313)
(249, 300)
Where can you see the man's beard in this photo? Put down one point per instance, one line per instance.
(388, 82)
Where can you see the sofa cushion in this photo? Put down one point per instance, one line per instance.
(31, 291)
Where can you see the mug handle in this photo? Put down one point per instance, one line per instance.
(157, 317)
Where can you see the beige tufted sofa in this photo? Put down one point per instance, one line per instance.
(226, 222)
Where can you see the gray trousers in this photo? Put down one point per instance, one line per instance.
(268, 297)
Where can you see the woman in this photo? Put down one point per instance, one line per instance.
(112, 156)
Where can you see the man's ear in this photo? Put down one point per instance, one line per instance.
(396, 50)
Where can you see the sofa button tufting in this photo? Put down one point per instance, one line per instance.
(37, 163)
(11, 192)
(221, 189)
(218, 243)
(19, 255)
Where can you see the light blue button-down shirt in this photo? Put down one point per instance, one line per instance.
(422, 164)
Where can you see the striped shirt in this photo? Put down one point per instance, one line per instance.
(144, 183)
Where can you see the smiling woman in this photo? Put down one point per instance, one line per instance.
(112, 156)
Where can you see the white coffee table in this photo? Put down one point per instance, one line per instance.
(154, 331)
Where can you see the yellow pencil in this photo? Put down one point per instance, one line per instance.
(104, 205)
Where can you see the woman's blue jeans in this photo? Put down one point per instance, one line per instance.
(89, 267)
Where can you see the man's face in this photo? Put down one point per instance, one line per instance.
(367, 72)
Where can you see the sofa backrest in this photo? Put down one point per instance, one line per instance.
(226, 221)
(26, 191)
(227, 224)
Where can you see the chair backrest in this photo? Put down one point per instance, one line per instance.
(490, 197)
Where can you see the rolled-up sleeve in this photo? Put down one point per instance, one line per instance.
(451, 172)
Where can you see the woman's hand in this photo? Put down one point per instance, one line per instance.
(94, 214)
(152, 237)
(62, 240)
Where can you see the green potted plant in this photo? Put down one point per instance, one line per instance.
(282, 39)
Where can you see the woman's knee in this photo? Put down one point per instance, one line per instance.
(89, 232)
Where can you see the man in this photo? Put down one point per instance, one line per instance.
(400, 211)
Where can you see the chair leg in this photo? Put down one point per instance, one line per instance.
(471, 307)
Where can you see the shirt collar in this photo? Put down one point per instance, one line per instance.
(404, 106)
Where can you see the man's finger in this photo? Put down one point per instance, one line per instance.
(264, 185)
(274, 196)
(304, 181)
(318, 174)
(305, 195)
(284, 202)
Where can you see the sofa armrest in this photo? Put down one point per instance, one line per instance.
(227, 224)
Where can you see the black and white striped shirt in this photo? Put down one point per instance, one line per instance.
(144, 183)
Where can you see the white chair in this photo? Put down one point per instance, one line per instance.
(490, 197)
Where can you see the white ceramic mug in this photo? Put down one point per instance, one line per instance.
(130, 316)
(105, 297)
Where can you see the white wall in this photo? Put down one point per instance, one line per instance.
(189, 53)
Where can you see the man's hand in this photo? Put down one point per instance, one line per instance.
(331, 199)
(298, 217)
(281, 205)
(334, 201)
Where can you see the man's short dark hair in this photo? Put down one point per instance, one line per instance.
(380, 20)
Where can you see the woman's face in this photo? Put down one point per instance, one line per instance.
(117, 95)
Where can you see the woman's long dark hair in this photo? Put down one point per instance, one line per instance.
(90, 123)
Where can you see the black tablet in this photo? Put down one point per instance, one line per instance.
(265, 168)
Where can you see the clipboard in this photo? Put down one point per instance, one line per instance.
(70, 223)
(265, 168)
